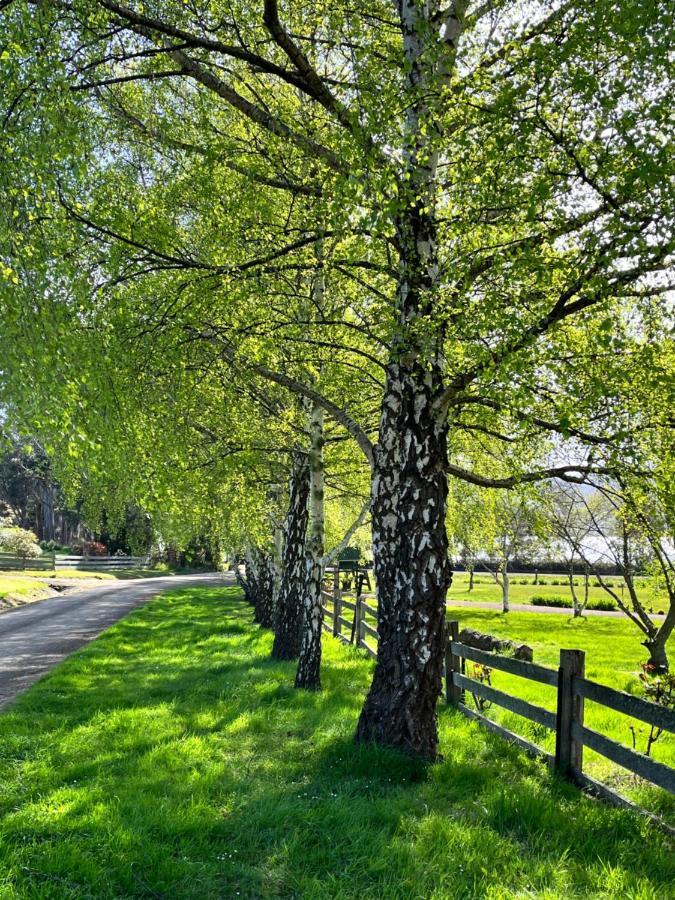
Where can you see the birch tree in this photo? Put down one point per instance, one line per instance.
(496, 194)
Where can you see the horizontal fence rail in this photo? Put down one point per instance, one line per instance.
(11, 561)
(101, 562)
(571, 687)
(50, 562)
(568, 721)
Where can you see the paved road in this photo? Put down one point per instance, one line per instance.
(530, 607)
(34, 638)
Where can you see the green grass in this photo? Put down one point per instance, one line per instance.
(172, 758)
(18, 588)
(486, 590)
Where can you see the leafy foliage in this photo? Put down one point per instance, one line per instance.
(21, 542)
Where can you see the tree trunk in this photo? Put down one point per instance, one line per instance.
(506, 584)
(409, 490)
(470, 578)
(48, 520)
(657, 642)
(264, 596)
(658, 657)
(248, 581)
(576, 607)
(412, 571)
(309, 665)
(289, 606)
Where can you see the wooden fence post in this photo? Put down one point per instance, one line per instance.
(337, 603)
(453, 663)
(569, 753)
(356, 628)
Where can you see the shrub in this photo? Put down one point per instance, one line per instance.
(607, 605)
(54, 546)
(554, 600)
(20, 542)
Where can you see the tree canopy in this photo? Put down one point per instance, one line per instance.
(483, 190)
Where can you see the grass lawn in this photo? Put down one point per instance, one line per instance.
(18, 589)
(172, 758)
(522, 589)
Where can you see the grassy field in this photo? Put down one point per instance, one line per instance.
(172, 758)
(523, 588)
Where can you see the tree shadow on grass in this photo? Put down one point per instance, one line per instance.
(173, 758)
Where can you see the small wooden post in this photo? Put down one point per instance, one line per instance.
(337, 602)
(569, 753)
(356, 627)
(453, 663)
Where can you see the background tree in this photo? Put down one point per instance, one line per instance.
(630, 528)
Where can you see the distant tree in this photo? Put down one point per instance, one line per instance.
(519, 530)
(631, 528)
(571, 520)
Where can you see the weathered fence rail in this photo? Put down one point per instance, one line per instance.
(11, 561)
(572, 690)
(101, 563)
(50, 562)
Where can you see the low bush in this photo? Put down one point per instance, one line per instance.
(553, 600)
(90, 548)
(607, 605)
(20, 542)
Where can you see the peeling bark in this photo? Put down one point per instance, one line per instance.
(412, 570)
(409, 492)
(308, 675)
(289, 606)
(264, 597)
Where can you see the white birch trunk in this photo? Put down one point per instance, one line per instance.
(409, 493)
(309, 665)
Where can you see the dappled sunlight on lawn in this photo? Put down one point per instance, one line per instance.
(173, 758)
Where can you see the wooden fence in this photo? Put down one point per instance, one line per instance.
(50, 561)
(101, 563)
(573, 689)
(11, 561)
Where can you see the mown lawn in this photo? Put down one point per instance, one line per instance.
(171, 758)
(523, 588)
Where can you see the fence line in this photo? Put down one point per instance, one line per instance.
(572, 689)
(50, 562)
(11, 561)
(101, 562)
